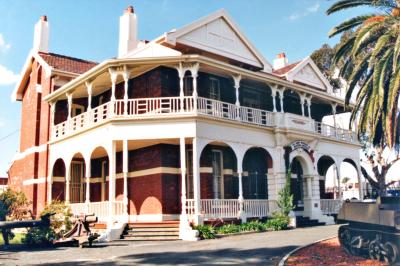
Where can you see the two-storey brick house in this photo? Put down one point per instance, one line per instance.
(192, 126)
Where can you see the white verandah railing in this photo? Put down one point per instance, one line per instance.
(230, 208)
(167, 106)
(100, 209)
(330, 206)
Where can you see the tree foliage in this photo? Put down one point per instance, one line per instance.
(369, 61)
(285, 198)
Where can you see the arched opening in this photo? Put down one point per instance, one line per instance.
(291, 102)
(58, 184)
(99, 162)
(297, 184)
(218, 172)
(349, 180)
(256, 163)
(328, 178)
(77, 179)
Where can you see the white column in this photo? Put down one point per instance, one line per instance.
(113, 76)
(125, 171)
(236, 79)
(183, 174)
(196, 180)
(309, 106)
(281, 98)
(69, 97)
(111, 182)
(52, 118)
(360, 184)
(89, 88)
(67, 180)
(125, 75)
(302, 101)
(194, 71)
(181, 75)
(273, 90)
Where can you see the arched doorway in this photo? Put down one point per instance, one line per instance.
(328, 178)
(77, 179)
(58, 184)
(218, 172)
(256, 163)
(350, 182)
(297, 184)
(99, 162)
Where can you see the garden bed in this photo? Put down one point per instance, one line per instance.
(327, 252)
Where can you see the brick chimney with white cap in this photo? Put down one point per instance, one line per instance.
(280, 61)
(41, 35)
(127, 32)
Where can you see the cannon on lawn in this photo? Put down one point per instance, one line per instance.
(44, 221)
(373, 228)
(80, 232)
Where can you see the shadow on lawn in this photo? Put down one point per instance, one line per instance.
(259, 256)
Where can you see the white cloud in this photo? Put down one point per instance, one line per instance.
(4, 46)
(7, 77)
(309, 10)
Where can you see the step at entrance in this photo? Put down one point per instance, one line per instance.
(163, 231)
(307, 222)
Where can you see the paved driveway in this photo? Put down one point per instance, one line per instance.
(250, 249)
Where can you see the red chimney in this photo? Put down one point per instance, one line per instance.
(129, 9)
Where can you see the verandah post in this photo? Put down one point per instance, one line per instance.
(125, 171)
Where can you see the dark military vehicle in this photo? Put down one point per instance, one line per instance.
(373, 228)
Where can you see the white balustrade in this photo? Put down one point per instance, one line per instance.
(219, 208)
(259, 207)
(171, 106)
(100, 209)
(330, 206)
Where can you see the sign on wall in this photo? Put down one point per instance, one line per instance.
(298, 144)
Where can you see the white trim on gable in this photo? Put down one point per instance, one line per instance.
(152, 49)
(229, 40)
(307, 72)
(25, 73)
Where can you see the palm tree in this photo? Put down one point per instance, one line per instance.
(370, 64)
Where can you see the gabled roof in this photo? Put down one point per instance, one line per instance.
(67, 63)
(50, 62)
(286, 69)
(217, 33)
(305, 72)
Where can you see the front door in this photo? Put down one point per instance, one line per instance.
(218, 188)
(296, 185)
(76, 188)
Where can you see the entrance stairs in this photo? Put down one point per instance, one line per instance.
(307, 222)
(151, 231)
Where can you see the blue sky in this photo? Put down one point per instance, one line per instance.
(88, 29)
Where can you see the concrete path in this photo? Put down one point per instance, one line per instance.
(250, 249)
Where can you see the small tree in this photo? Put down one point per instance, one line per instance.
(285, 198)
(13, 206)
(345, 180)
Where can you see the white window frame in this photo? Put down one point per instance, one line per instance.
(189, 174)
(215, 91)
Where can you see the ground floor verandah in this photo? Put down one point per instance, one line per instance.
(152, 180)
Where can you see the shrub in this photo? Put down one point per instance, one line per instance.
(228, 229)
(278, 222)
(205, 231)
(285, 198)
(59, 224)
(253, 226)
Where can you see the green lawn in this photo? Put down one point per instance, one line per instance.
(16, 240)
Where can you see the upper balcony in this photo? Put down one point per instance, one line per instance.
(158, 108)
(186, 90)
